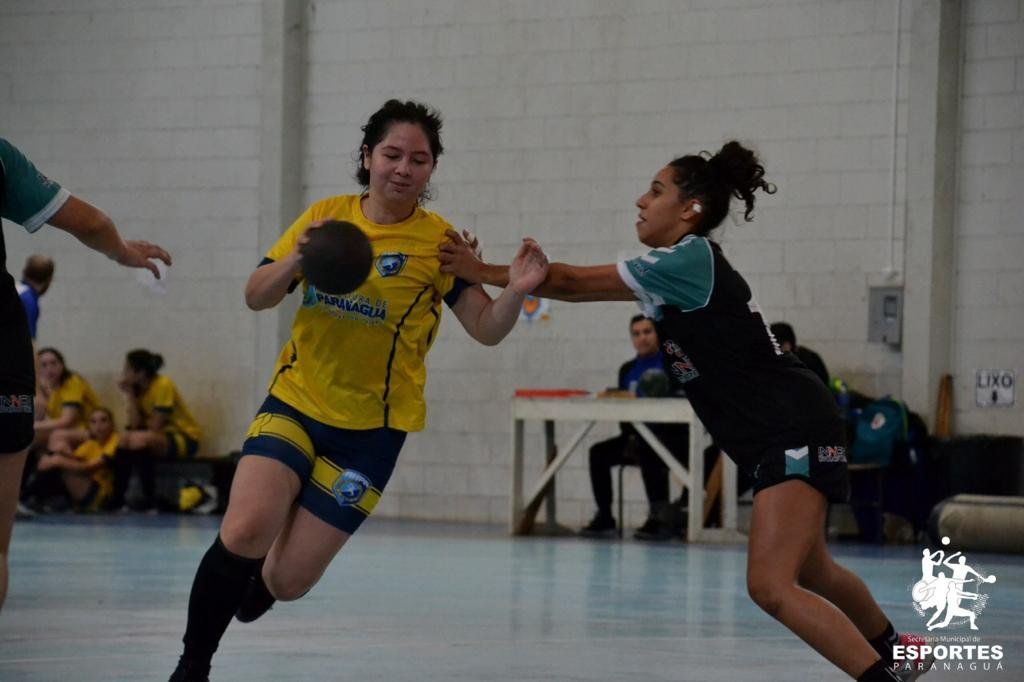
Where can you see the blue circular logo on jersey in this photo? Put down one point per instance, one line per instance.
(390, 264)
(350, 487)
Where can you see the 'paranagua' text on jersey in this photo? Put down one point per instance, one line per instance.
(356, 361)
(745, 390)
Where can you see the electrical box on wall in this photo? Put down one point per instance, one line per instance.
(885, 315)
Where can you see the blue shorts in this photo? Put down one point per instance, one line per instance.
(343, 472)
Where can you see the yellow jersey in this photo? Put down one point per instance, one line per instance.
(93, 449)
(74, 392)
(162, 396)
(356, 361)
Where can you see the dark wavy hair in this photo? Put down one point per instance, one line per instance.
(396, 111)
(141, 360)
(734, 171)
(65, 373)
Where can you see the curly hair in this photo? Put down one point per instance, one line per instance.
(734, 171)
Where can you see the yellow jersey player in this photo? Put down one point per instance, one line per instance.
(70, 402)
(160, 425)
(88, 471)
(347, 387)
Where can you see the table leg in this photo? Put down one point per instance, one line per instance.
(550, 452)
(516, 497)
(730, 519)
(695, 511)
(533, 499)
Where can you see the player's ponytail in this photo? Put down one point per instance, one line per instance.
(734, 171)
(142, 360)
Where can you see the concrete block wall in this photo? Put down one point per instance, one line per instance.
(988, 332)
(558, 112)
(557, 115)
(149, 110)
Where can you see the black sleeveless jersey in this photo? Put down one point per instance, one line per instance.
(745, 390)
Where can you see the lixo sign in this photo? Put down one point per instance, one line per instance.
(995, 387)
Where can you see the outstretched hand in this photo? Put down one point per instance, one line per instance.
(529, 268)
(460, 257)
(140, 254)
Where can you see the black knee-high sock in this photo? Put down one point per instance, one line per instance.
(257, 599)
(884, 642)
(220, 584)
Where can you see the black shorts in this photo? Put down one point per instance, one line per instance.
(819, 460)
(17, 383)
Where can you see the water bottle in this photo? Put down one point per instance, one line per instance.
(842, 392)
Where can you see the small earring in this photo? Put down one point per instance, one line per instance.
(697, 208)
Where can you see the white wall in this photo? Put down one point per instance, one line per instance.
(557, 114)
(149, 110)
(989, 329)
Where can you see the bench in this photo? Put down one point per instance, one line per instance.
(214, 472)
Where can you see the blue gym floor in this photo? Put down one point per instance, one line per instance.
(104, 598)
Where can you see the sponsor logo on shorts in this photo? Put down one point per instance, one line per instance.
(796, 462)
(390, 264)
(350, 487)
(16, 404)
(831, 453)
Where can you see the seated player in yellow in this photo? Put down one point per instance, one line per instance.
(87, 472)
(30, 199)
(347, 387)
(70, 401)
(159, 424)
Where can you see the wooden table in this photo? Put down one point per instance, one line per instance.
(638, 412)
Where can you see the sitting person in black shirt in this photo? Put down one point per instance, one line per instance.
(786, 337)
(630, 449)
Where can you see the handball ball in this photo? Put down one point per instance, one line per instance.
(653, 383)
(337, 258)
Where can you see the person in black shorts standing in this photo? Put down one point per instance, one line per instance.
(29, 198)
(763, 407)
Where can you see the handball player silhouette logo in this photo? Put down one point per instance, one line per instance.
(949, 591)
(336, 257)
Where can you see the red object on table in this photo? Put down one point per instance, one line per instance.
(550, 393)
